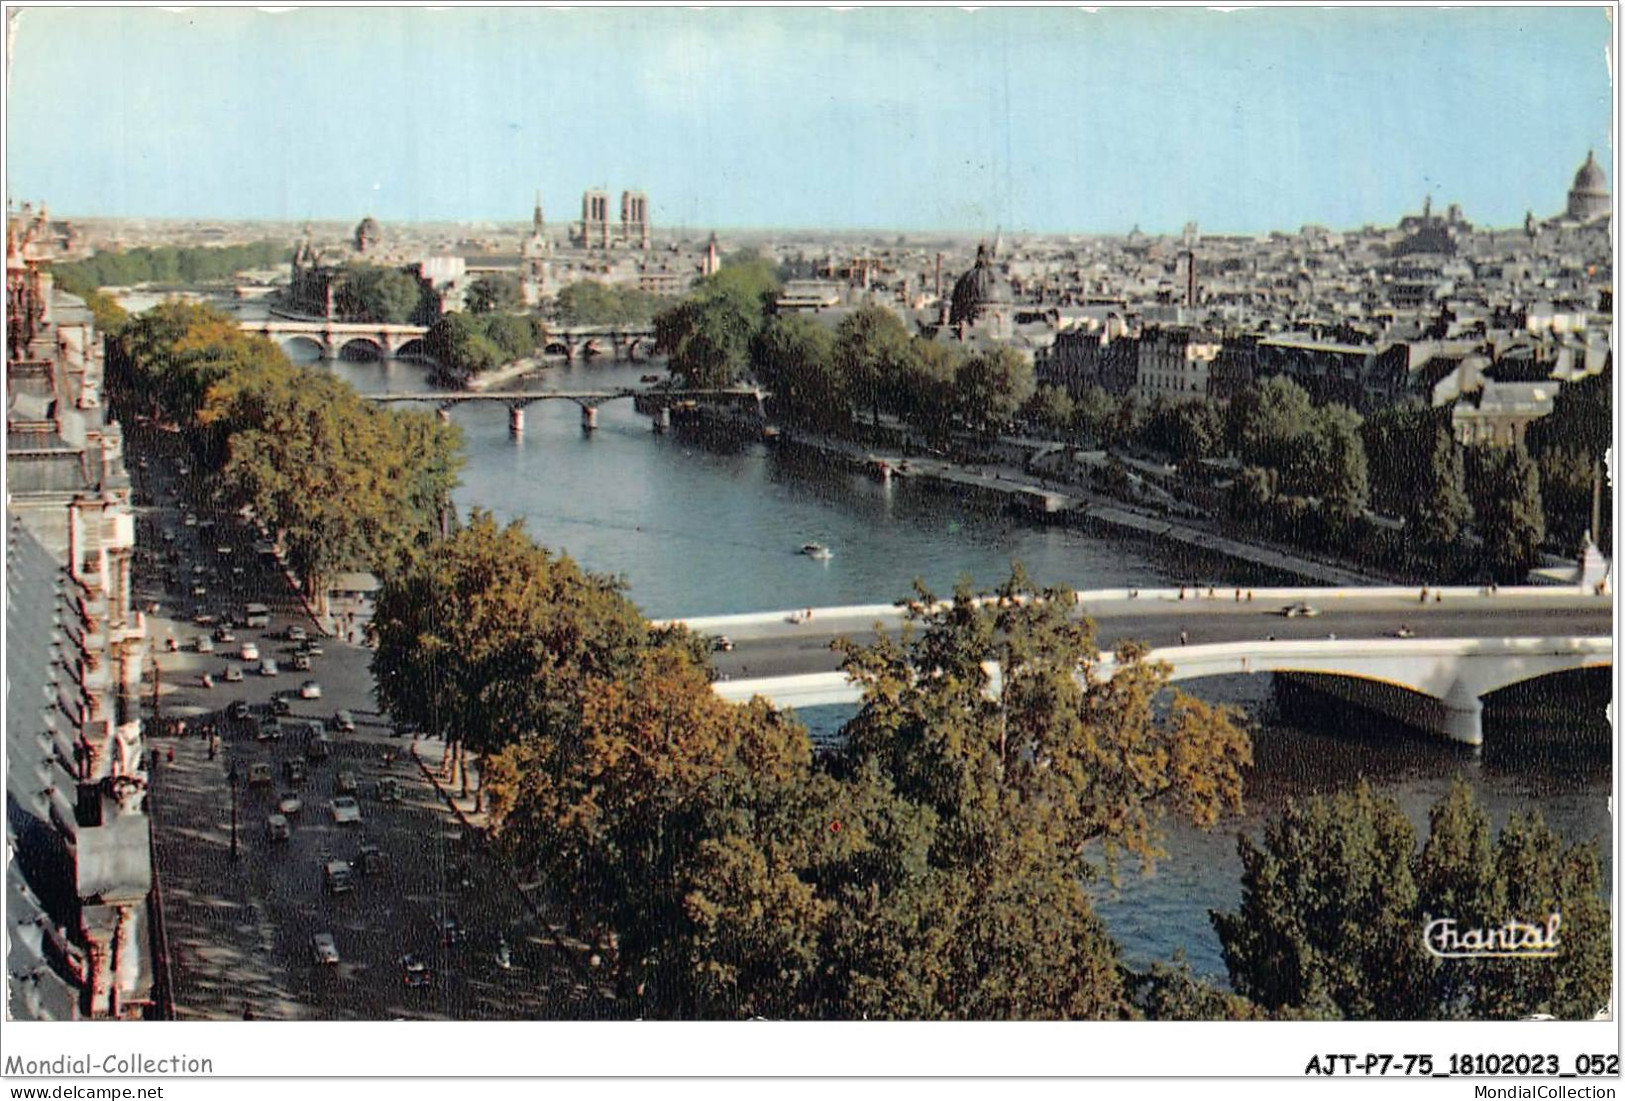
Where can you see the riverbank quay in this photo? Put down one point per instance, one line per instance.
(506, 373)
(1063, 503)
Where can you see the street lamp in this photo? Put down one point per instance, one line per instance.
(232, 777)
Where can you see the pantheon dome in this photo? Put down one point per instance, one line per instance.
(1588, 198)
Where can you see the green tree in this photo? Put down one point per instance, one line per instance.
(1328, 911)
(368, 292)
(707, 336)
(511, 334)
(1266, 421)
(459, 345)
(1095, 414)
(925, 393)
(1051, 409)
(495, 292)
(794, 358)
(1566, 497)
(1439, 510)
(1339, 475)
(872, 353)
(1511, 522)
(990, 386)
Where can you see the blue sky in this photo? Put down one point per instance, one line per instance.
(1049, 120)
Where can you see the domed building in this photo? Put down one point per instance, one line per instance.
(1588, 198)
(367, 234)
(981, 296)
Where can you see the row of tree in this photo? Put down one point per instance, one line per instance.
(938, 868)
(343, 483)
(166, 265)
(590, 302)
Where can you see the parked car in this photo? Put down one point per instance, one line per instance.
(310, 690)
(343, 722)
(1300, 610)
(301, 663)
(277, 828)
(336, 876)
(280, 705)
(238, 710)
(204, 644)
(269, 730)
(259, 774)
(389, 790)
(296, 633)
(345, 810)
(324, 950)
(294, 770)
(249, 652)
(224, 635)
(451, 930)
(206, 680)
(345, 783)
(290, 804)
(370, 859)
(319, 748)
(269, 668)
(234, 673)
(256, 615)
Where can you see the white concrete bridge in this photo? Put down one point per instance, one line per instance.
(1426, 664)
(331, 338)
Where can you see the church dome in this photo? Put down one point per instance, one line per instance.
(1590, 180)
(1588, 198)
(977, 290)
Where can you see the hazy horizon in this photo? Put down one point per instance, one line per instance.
(912, 121)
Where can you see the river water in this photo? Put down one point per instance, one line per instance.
(698, 527)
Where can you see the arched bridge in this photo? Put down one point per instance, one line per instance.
(331, 338)
(657, 403)
(1428, 665)
(620, 342)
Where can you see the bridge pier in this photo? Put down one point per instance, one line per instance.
(1461, 719)
(516, 421)
(589, 418)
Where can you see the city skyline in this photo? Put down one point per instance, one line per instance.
(911, 120)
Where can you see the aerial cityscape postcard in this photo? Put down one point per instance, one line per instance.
(879, 514)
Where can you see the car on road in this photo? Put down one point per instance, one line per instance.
(269, 668)
(370, 859)
(280, 705)
(345, 783)
(269, 730)
(200, 591)
(204, 618)
(451, 930)
(234, 674)
(301, 663)
(256, 615)
(336, 876)
(294, 770)
(343, 721)
(290, 804)
(722, 643)
(249, 652)
(224, 635)
(238, 710)
(310, 690)
(259, 774)
(311, 648)
(223, 550)
(296, 633)
(204, 644)
(277, 828)
(1300, 610)
(1404, 632)
(389, 790)
(414, 972)
(319, 748)
(345, 810)
(206, 680)
(324, 950)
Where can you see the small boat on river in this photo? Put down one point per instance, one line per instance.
(817, 550)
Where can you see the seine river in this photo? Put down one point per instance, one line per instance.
(699, 528)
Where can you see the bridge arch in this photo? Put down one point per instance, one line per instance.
(415, 348)
(301, 348)
(360, 348)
